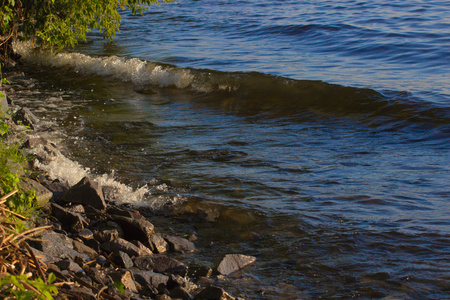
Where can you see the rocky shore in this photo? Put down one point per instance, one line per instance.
(101, 250)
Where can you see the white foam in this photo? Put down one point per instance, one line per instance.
(133, 70)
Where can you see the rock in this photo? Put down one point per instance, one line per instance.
(179, 244)
(98, 276)
(57, 188)
(125, 278)
(149, 278)
(234, 262)
(121, 259)
(114, 210)
(142, 248)
(72, 221)
(175, 281)
(77, 208)
(163, 297)
(86, 234)
(83, 293)
(157, 243)
(213, 293)
(196, 271)
(3, 103)
(43, 195)
(135, 229)
(159, 264)
(106, 235)
(86, 192)
(121, 245)
(82, 248)
(180, 293)
(34, 142)
(25, 117)
(69, 265)
(57, 246)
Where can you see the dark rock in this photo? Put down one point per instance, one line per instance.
(93, 244)
(52, 268)
(135, 229)
(69, 265)
(68, 219)
(213, 293)
(57, 188)
(82, 248)
(121, 259)
(163, 297)
(102, 261)
(43, 195)
(125, 278)
(175, 281)
(57, 246)
(159, 264)
(157, 243)
(234, 262)
(180, 293)
(179, 244)
(149, 278)
(78, 208)
(25, 117)
(86, 192)
(121, 245)
(196, 271)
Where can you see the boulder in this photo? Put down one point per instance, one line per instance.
(114, 210)
(159, 264)
(179, 244)
(86, 192)
(121, 245)
(234, 262)
(180, 293)
(135, 229)
(82, 248)
(142, 248)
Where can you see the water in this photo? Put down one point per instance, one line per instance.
(311, 134)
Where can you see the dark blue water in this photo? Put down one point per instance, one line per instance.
(314, 135)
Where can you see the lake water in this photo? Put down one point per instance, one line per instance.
(314, 135)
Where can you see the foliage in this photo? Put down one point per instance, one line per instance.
(20, 287)
(60, 23)
(12, 163)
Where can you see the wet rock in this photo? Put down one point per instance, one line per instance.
(157, 243)
(196, 271)
(125, 278)
(86, 192)
(213, 293)
(43, 195)
(34, 142)
(121, 259)
(234, 262)
(159, 264)
(121, 245)
(72, 221)
(135, 229)
(175, 281)
(25, 117)
(179, 244)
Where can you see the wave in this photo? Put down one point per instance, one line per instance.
(254, 93)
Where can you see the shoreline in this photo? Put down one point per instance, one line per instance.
(105, 235)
